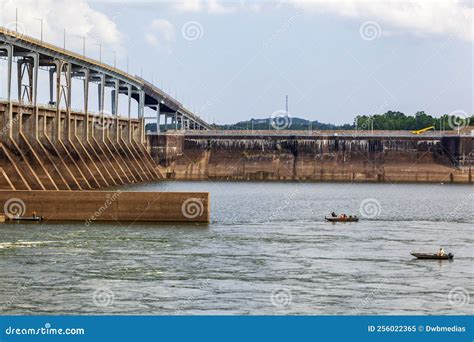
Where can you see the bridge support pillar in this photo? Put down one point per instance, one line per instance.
(63, 91)
(86, 102)
(129, 112)
(34, 95)
(141, 106)
(158, 114)
(9, 115)
(115, 109)
(101, 90)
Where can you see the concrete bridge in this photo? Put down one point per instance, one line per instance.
(53, 147)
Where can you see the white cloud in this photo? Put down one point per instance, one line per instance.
(77, 17)
(451, 17)
(209, 6)
(215, 6)
(189, 5)
(420, 17)
(160, 34)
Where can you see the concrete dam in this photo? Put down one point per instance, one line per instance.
(343, 156)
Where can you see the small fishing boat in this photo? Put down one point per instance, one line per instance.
(432, 256)
(26, 218)
(342, 219)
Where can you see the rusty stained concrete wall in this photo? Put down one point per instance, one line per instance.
(92, 206)
(348, 159)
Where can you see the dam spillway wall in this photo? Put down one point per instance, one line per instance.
(43, 148)
(332, 156)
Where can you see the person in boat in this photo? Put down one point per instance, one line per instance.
(34, 214)
(333, 214)
(441, 252)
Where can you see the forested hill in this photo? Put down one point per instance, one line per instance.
(387, 121)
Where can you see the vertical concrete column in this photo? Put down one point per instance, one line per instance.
(176, 120)
(51, 85)
(51, 97)
(112, 100)
(129, 112)
(158, 114)
(58, 64)
(141, 107)
(101, 90)
(68, 77)
(86, 102)
(9, 114)
(34, 89)
(19, 79)
(115, 109)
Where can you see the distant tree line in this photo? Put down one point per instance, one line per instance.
(387, 121)
(399, 121)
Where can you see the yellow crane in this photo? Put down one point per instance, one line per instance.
(423, 130)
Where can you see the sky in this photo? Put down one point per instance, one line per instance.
(235, 60)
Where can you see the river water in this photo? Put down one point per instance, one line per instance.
(267, 250)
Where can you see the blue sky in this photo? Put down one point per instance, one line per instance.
(232, 61)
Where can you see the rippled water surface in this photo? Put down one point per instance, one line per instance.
(266, 251)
